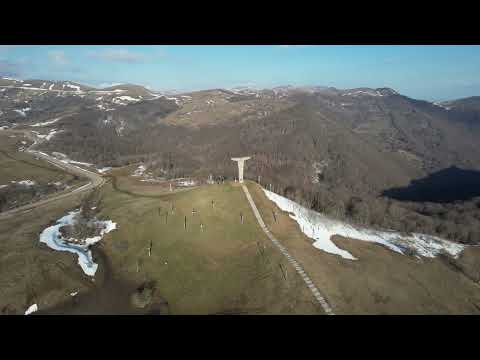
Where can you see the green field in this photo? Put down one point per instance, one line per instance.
(228, 268)
(17, 166)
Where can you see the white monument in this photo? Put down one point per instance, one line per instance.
(241, 162)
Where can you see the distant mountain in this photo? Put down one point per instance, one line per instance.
(44, 85)
(409, 137)
(466, 104)
(131, 90)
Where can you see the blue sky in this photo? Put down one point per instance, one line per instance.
(424, 72)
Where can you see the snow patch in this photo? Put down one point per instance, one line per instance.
(12, 79)
(186, 183)
(48, 136)
(31, 309)
(127, 98)
(442, 106)
(75, 87)
(104, 170)
(140, 170)
(22, 111)
(364, 92)
(172, 98)
(320, 228)
(46, 123)
(27, 183)
(52, 237)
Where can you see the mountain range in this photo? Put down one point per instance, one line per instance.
(337, 151)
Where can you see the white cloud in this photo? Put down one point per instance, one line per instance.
(118, 55)
(58, 57)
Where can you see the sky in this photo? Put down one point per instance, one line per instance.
(433, 73)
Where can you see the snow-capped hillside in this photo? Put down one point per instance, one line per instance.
(369, 92)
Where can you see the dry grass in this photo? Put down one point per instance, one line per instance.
(228, 268)
(381, 281)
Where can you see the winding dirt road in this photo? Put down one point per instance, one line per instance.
(95, 180)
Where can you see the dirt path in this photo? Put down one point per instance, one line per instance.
(316, 293)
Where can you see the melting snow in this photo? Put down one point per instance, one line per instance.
(364, 92)
(31, 309)
(46, 122)
(320, 228)
(22, 111)
(139, 171)
(47, 136)
(26, 182)
(172, 98)
(442, 106)
(104, 170)
(77, 88)
(12, 79)
(127, 98)
(53, 239)
(186, 183)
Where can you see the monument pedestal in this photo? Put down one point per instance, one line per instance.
(241, 163)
